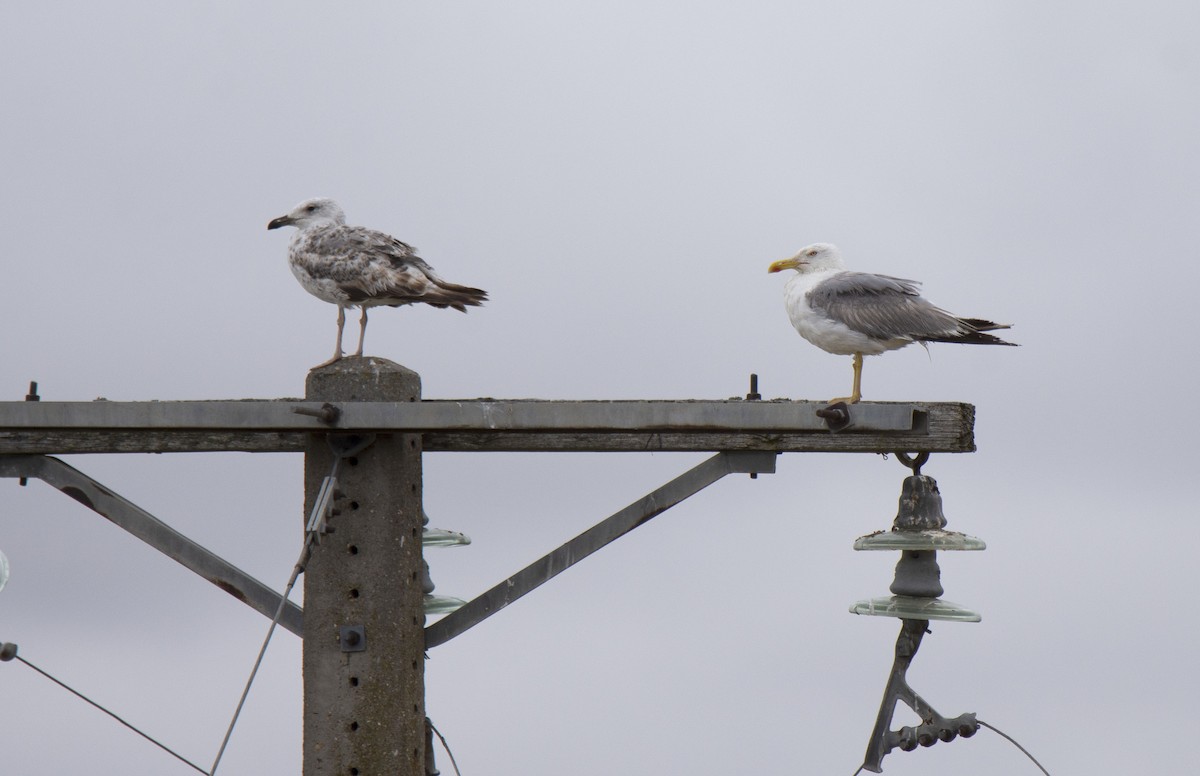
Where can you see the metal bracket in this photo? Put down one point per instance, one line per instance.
(343, 446)
(321, 506)
(933, 728)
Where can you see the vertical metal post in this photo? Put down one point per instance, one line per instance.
(364, 671)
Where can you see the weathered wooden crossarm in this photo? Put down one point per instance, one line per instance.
(283, 425)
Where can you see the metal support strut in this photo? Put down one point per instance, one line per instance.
(162, 537)
(605, 532)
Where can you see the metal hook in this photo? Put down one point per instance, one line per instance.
(913, 462)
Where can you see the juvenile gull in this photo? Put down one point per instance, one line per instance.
(857, 313)
(350, 266)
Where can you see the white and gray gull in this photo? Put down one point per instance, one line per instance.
(857, 313)
(351, 266)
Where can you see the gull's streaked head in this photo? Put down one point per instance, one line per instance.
(813, 258)
(319, 211)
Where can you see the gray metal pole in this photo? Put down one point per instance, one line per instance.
(364, 671)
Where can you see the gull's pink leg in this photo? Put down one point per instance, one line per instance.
(337, 349)
(362, 331)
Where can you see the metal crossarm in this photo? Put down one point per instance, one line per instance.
(283, 425)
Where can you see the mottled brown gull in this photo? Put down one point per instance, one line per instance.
(857, 313)
(351, 266)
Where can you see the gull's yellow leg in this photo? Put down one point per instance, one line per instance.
(856, 391)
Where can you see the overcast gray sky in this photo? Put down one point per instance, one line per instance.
(618, 176)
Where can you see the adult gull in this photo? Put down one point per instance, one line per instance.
(351, 266)
(857, 313)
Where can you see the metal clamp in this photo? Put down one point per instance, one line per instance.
(933, 728)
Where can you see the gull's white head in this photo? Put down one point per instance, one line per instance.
(813, 258)
(319, 211)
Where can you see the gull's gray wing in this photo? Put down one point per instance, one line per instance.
(882, 307)
(375, 267)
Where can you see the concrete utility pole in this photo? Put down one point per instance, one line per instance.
(364, 669)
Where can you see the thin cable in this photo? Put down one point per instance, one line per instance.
(446, 747)
(296, 570)
(78, 694)
(313, 529)
(1013, 741)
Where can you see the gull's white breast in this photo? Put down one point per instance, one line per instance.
(830, 335)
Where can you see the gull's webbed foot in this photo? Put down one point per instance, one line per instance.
(336, 358)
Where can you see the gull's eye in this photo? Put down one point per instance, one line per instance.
(311, 208)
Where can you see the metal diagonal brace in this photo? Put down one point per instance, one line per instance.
(609, 530)
(154, 532)
(934, 727)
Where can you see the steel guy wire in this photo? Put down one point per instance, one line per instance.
(312, 530)
(1013, 741)
(445, 746)
(80, 695)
